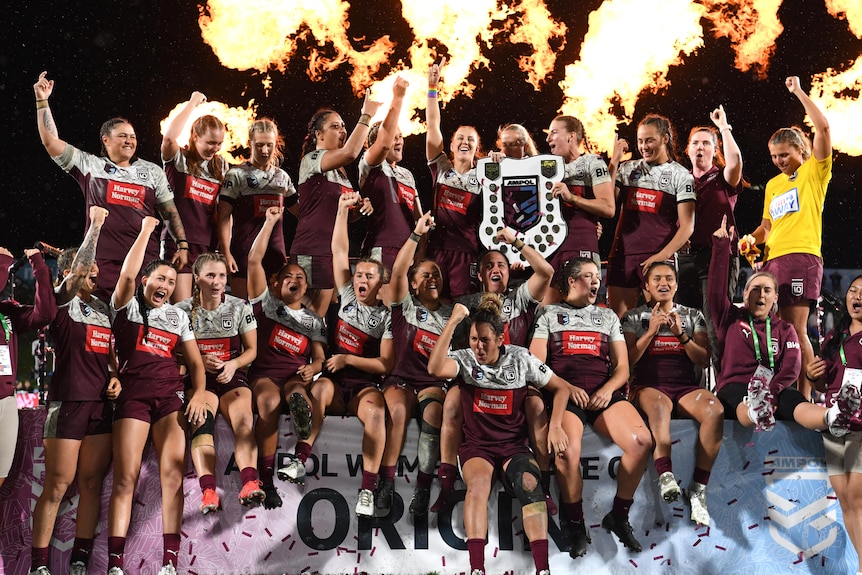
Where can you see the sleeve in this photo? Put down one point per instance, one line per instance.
(541, 329)
(289, 188)
(523, 299)
(230, 188)
(246, 319)
(790, 356)
(597, 170)
(261, 299)
(698, 322)
(319, 330)
(716, 285)
(684, 186)
(160, 184)
(69, 158)
(42, 312)
(616, 329)
(537, 373)
(631, 322)
(768, 194)
(387, 330)
(186, 333)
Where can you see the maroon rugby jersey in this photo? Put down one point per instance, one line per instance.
(835, 367)
(81, 332)
(457, 207)
(194, 196)
(17, 318)
(734, 332)
(492, 396)
(148, 362)
(284, 337)
(415, 330)
(319, 192)
(664, 363)
(715, 199)
(579, 342)
(128, 193)
(392, 191)
(518, 313)
(649, 194)
(359, 330)
(587, 171)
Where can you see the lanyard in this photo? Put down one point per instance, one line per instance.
(6, 328)
(768, 341)
(841, 351)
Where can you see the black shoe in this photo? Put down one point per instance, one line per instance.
(272, 498)
(622, 529)
(383, 496)
(420, 501)
(579, 538)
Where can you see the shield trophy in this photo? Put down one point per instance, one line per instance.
(516, 193)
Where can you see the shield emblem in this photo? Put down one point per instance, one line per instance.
(226, 322)
(85, 309)
(563, 318)
(143, 175)
(597, 319)
(373, 321)
(478, 374)
(509, 374)
(421, 314)
(307, 322)
(664, 180)
(492, 170)
(507, 308)
(521, 201)
(173, 318)
(796, 287)
(548, 168)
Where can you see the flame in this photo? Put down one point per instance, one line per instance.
(752, 27)
(608, 77)
(838, 92)
(259, 34)
(236, 121)
(531, 24)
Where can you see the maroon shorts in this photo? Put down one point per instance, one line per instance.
(77, 419)
(799, 277)
(384, 255)
(459, 271)
(149, 409)
(273, 261)
(626, 271)
(674, 392)
(318, 270)
(496, 455)
(413, 386)
(169, 249)
(590, 416)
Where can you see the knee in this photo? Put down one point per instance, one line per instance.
(641, 445)
(398, 414)
(243, 425)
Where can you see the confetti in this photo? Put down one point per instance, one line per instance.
(720, 548)
(373, 549)
(750, 527)
(265, 557)
(773, 452)
(657, 557)
(183, 533)
(732, 501)
(226, 548)
(286, 537)
(312, 553)
(696, 543)
(268, 532)
(633, 563)
(747, 463)
(495, 551)
(444, 560)
(246, 533)
(292, 543)
(194, 558)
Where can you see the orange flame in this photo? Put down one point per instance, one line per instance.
(236, 121)
(751, 26)
(259, 34)
(600, 81)
(839, 93)
(531, 24)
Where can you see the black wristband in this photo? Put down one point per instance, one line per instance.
(683, 341)
(415, 237)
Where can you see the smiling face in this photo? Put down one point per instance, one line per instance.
(212, 279)
(291, 285)
(584, 286)
(332, 134)
(661, 283)
(367, 282)
(464, 144)
(761, 295)
(786, 157)
(494, 273)
(426, 282)
(159, 285)
(561, 141)
(209, 143)
(485, 343)
(652, 145)
(701, 150)
(121, 143)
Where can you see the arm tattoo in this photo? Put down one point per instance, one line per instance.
(169, 213)
(48, 122)
(81, 264)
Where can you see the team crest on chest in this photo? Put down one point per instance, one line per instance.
(110, 169)
(508, 373)
(507, 307)
(307, 322)
(349, 307)
(143, 175)
(597, 319)
(477, 373)
(226, 322)
(85, 309)
(173, 317)
(280, 311)
(373, 321)
(251, 181)
(664, 179)
(421, 314)
(563, 318)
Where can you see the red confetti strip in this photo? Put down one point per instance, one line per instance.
(657, 557)
(226, 548)
(633, 563)
(770, 472)
(358, 557)
(696, 543)
(268, 532)
(192, 562)
(304, 569)
(292, 543)
(750, 527)
(675, 441)
(747, 463)
(265, 557)
(720, 548)
(373, 549)
(653, 546)
(141, 564)
(595, 526)
(769, 462)
(443, 557)
(193, 573)
(191, 545)
(495, 551)
(285, 538)
(677, 514)
(251, 516)
(732, 501)
(773, 452)
(312, 553)
(183, 533)
(831, 497)
(407, 478)
(246, 533)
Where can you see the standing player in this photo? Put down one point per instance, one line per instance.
(657, 202)
(792, 225)
(249, 190)
(226, 335)
(497, 376)
(457, 197)
(195, 173)
(326, 152)
(119, 181)
(149, 333)
(77, 435)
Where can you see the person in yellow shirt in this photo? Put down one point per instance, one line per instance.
(792, 219)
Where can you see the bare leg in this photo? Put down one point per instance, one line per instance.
(798, 316)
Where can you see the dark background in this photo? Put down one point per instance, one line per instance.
(139, 59)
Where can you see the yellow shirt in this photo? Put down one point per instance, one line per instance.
(794, 205)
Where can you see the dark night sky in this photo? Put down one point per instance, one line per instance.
(140, 58)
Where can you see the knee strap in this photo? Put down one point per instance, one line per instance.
(520, 465)
(203, 435)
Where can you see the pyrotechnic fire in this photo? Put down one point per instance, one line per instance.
(614, 67)
(840, 92)
(259, 34)
(751, 26)
(236, 121)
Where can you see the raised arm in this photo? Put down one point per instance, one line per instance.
(125, 289)
(84, 257)
(398, 283)
(729, 147)
(433, 135)
(170, 147)
(637, 346)
(376, 154)
(257, 281)
(43, 89)
(440, 365)
(822, 147)
(334, 159)
(539, 282)
(341, 241)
